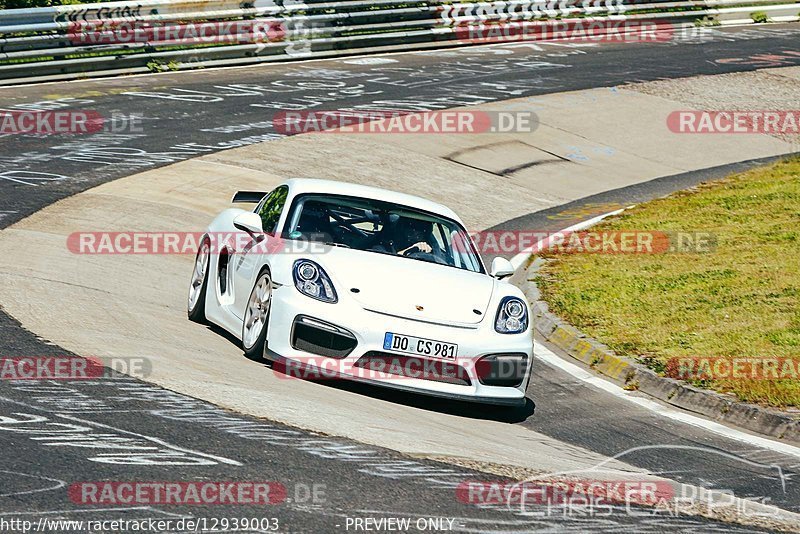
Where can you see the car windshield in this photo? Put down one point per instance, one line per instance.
(383, 228)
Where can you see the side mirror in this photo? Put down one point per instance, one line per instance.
(251, 223)
(502, 268)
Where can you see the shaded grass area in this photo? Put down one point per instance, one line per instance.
(740, 300)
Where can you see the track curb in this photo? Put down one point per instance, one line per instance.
(632, 375)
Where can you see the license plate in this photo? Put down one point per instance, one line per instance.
(420, 346)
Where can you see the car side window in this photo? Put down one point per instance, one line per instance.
(271, 207)
(438, 234)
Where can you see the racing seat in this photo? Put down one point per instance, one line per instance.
(315, 224)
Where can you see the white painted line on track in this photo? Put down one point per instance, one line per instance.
(546, 355)
(220, 459)
(59, 484)
(435, 51)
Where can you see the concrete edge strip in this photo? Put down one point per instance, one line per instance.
(633, 375)
(629, 374)
(643, 191)
(518, 260)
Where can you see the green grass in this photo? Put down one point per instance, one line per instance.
(740, 300)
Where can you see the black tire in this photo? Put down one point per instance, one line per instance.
(197, 311)
(257, 351)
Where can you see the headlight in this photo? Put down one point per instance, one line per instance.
(311, 280)
(512, 316)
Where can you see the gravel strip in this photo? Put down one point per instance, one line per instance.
(762, 90)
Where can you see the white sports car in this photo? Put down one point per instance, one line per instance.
(331, 279)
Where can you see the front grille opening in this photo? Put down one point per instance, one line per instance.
(414, 367)
(323, 339)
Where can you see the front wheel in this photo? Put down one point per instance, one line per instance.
(254, 328)
(197, 289)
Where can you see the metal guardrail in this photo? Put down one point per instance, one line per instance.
(70, 41)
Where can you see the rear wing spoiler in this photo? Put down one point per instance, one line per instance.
(248, 197)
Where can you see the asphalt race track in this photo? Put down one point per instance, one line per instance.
(190, 114)
(56, 434)
(174, 437)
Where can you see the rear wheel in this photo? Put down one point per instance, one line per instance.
(256, 316)
(197, 289)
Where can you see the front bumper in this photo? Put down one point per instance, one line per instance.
(368, 329)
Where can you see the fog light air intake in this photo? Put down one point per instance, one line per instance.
(506, 369)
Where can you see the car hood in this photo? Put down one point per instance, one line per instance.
(401, 286)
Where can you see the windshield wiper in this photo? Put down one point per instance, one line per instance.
(331, 243)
